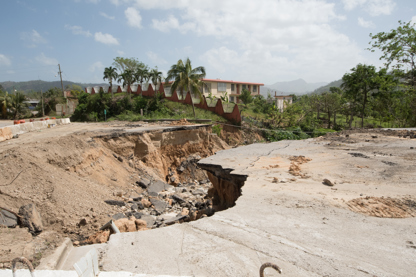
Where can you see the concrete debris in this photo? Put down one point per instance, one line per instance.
(31, 219)
(115, 202)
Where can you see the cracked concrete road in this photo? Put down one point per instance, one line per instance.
(296, 222)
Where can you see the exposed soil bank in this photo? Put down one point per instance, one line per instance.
(69, 178)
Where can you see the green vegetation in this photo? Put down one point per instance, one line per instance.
(120, 107)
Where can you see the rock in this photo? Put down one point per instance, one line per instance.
(153, 194)
(174, 220)
(140, 206)
(115, 202)
(146, 203)
(119, 193)
(76, 243)
(139, 198)
(157, 186)
(159, 206)
(178, 199)
(172, 179)
(30, 218)
(198, 192)
(141, 225)
(185, 211)
(180, 169)
(137, 215)
(82, 222)
(134, 207)
(115, 156)
(412, 147)
(150, 220)
(118, 216)
(328, 183)
(203, 182)
(143, 183)
(8, 219)
(126, 225)
(120, 158)
(99, 237)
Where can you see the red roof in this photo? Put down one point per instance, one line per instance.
(226, 81)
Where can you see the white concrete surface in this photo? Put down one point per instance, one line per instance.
(301, 225)
(62, 273)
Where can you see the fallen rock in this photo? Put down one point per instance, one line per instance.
(120, 158)
(328, 183)
(31, 219)
(185, 211)
(115, 202)
(141, 225)
(8, 219)
(118, 216)
(126, 225)
(146, 203)
(143, 183)
(178, 199)
(150, 220)
(157, 187)
(99, 237)
(159, 206)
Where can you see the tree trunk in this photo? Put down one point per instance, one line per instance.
(335, 119)
(193, 108)
(362, 115)
(111, 88)
(351, 117)
(329, 120)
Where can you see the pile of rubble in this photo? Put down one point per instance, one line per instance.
(159, 205)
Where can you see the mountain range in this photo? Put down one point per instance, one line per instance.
(298, 86)
(38, 85)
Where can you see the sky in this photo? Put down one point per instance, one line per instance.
(264, 41)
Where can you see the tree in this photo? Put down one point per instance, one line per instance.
(17, 105)
(185, 78)
(330, 104)
(110, 73)
(128, 79)
(141, 74)
(4, 98)
(361, 83)
(123, 64)
(156, 77)
(399, 48)
(246, 97)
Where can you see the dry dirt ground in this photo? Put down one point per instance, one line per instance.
(68, 171)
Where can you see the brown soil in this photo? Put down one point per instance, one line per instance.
(69, 177)
(238, 136)
(384, 207)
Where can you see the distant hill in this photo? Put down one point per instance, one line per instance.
(298, 86)
(322, 89)
(38, 85)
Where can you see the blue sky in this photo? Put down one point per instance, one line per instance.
(263, 41)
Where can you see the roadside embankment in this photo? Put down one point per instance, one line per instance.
(8, 132)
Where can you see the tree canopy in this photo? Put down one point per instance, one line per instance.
(123, 64)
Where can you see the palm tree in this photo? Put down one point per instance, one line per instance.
(17, 104)
(156, 76)
(4, 98)
(141, 74)
(186, 79)
(128, 79)
(110, 73)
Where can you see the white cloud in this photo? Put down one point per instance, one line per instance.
(365, 24)
(33, 38)
(373, 7)
(107, 16)
(106, 39)
(46, 60)
(265, 39)
(134, 18)
(4, 61)
(78, 30)
(155, 58)
(97, 66)
(121, 53)
(172, 23)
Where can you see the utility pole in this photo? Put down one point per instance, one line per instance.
(62, 85)
(41, 96)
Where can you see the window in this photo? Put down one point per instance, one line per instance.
(254, 88)
(244, 86)
(207, 87)
(222, 87)
(232, 87)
